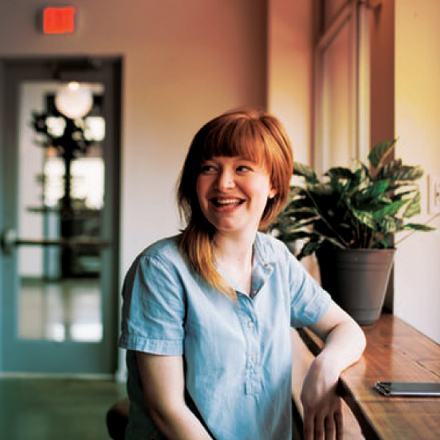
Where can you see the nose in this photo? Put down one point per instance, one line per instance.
(225, 179)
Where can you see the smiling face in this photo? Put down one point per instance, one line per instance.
(232, 193)
(254, 136)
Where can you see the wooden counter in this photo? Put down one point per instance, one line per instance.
(395, 352)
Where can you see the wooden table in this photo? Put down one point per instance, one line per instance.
(395, 352)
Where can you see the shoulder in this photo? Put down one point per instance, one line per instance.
(162, 254)
(165, 249)
(271, 249)
(157, 272)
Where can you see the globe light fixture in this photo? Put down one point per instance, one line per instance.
(74, 100)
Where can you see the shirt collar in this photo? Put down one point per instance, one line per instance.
(262, 253)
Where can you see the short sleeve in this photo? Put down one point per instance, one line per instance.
(153, 309)
(309, 301)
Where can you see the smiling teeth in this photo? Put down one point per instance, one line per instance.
(227, 201)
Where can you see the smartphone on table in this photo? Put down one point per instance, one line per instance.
(408, 389)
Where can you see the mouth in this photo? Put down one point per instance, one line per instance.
(226, 202)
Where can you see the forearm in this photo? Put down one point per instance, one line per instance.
(179, 423)
(344, 346)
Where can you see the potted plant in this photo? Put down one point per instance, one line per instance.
(349, 218)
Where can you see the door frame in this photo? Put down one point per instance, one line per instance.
(108, 71)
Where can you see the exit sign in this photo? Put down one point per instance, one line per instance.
(59, 20)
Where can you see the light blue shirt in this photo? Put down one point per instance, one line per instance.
(237, 354)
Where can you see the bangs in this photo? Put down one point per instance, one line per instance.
(241, 138)
(252, 135)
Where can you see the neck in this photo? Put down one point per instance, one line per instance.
(233, 254)
(233, 248)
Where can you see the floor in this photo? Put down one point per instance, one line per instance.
(66, 310)
(56, 409)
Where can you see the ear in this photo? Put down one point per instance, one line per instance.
(272, 193)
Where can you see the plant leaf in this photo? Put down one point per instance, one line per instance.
(387, 171)
(361, 175)
(419, 227)
(413, 207)
(391, 209)
(340, 173)
(380, 151)
(320, 190)
(301, 169)
(389, 225)
(299, 213)
(406, 172)
(375, 190)
(308, 249)
(365, 218)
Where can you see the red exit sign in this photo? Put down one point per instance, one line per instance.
(59, 20)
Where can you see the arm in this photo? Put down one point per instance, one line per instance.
(164, 385)
(344, 344)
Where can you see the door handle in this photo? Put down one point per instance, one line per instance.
(9, 241)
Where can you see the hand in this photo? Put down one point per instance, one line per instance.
(321, 403)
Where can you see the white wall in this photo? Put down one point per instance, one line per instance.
(290, 70)
(417, 106)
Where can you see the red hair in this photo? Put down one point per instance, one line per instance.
(253, 135)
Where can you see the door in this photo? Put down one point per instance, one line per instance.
(60, 190)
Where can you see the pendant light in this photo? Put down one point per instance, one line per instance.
(74, 100)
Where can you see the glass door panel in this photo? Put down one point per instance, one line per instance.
(61, 197)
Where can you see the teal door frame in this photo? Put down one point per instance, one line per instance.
(41, 356)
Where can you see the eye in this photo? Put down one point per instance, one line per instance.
(244, 168)
(207, 168)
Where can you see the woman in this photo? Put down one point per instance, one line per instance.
(207, 314)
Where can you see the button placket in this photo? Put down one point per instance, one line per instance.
(249, 322)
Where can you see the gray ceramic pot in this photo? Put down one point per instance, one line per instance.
(357, 279)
